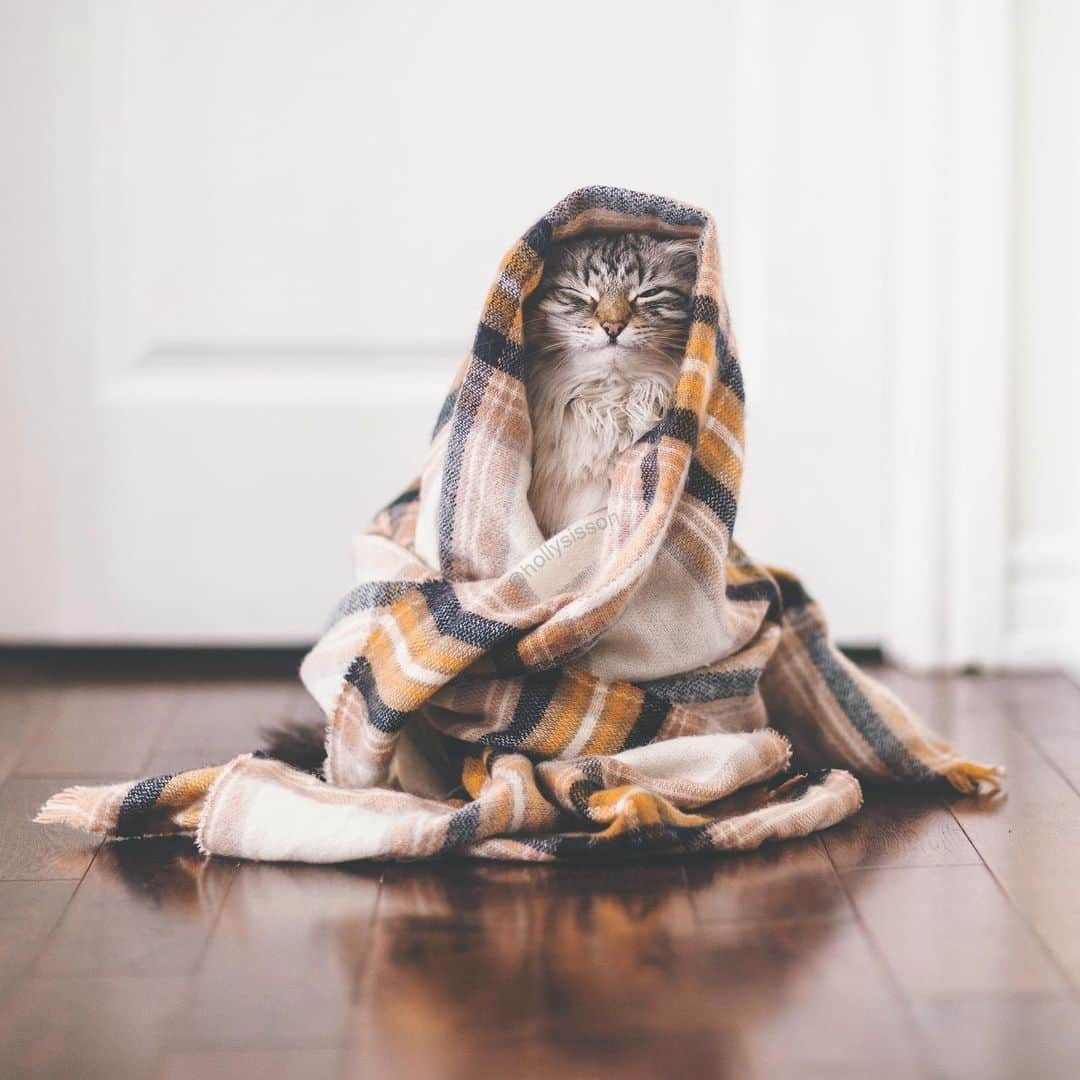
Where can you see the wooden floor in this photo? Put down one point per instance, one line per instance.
(926, 937)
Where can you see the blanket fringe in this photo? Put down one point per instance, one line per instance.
(74, 806)
(969, 777)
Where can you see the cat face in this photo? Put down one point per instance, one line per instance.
(610, 301)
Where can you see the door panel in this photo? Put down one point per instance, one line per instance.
(249, 243)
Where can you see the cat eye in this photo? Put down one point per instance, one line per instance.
(570, 296)
(648, 294)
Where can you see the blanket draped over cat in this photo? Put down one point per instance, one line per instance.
(634, 685)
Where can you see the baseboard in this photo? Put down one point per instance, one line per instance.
(863, 654)
(213, 663)
(186, 662)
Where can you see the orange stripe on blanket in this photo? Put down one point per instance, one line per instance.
(563, 717)
(630, 807)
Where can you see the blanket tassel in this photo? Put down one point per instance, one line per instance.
(969, 777)
(74, 806)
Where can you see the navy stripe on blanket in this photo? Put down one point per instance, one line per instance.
(468, 404)
(455, 621)
(650, 718)
(371, 594)
(862, 715)
(138, 804)
(462, 827)
(704, 686)
(715, 495)
(728, 369)
(445, 412)
(380, 715)
(539, 236)
(534, 698)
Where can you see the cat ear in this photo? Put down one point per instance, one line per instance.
(684, 246)
(684, 254)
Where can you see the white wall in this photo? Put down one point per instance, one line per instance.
(249, 242)
(1044, 563)
(245, 245)
(808, 249)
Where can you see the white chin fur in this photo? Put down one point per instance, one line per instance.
(587, 407)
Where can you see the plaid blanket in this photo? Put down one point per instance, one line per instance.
(635, 684)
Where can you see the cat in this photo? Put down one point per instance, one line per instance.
(605, 331)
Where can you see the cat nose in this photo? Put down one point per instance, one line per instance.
(613, 328)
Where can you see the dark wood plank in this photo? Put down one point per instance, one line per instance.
(284, 916)
(1030, 837)
(789, 981)
(38, 852)
(955, 965)
(626, 925)
(899, 827)
(282, 966)
(630, 926)
(950, 930)
(24, 705)
(473, 1054)
(275, 1064)
(215, 721)
(1062, 752)
(1002, 1036)
(476, 967)
(795, 880)
(453, 965)
(100, 728)
(87, 1028)
(1047, 709)
(144, 907)
(28, 912)
(802, 998)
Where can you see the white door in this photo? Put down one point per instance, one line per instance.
(245, 245)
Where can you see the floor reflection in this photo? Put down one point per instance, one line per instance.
(442, 969)
(166, 872)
